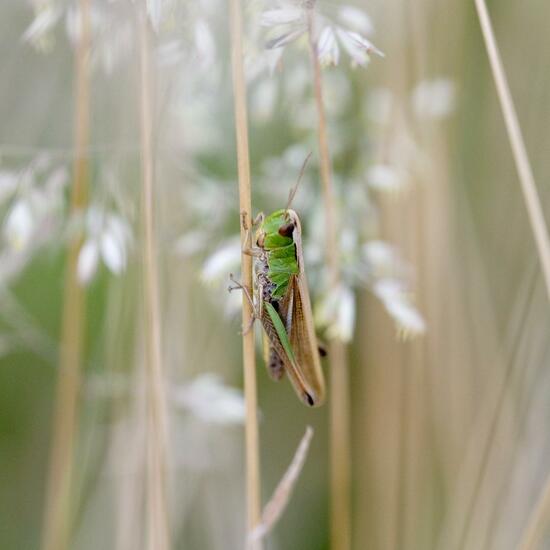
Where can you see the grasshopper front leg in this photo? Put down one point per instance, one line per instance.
(239, 286)
(247, 247)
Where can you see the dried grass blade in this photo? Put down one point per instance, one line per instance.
(278, 502)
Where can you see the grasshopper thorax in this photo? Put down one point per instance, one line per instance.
(278, 260)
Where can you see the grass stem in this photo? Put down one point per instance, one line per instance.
(340, 446)
(536, 217)
(158, 536)
(527, 181)
(56, 527)
(253, 482)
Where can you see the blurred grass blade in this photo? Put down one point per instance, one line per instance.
(340, 445)
(278, 502)
(527, 180)
(56, 527)
(157, 438)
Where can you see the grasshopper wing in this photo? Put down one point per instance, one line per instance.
(296, 311)
(280, 344)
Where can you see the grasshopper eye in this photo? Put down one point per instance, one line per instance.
(287, 229)
(260, 239)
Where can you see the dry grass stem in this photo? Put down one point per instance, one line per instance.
(536, 218)
(538, 521)
(278, 502)
(158, 535)
(340, 445)
(57, 510)
(528, 186)
(253, 482)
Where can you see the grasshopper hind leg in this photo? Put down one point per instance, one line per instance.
(275, 365)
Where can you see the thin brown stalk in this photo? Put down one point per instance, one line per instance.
(536, 217)
(253, 486)
(158, 533)
(56, 527)
(279, 500)
(527, 181)
(340, 448)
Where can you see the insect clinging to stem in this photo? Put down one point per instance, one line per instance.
(282, 302)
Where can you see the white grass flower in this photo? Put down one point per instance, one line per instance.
(410, 322)
(384, 177)
(355, 19)
(291, 22)
(336, 312)
(357, 47)
(210, 400)
(327, 47)
(286, 37)
(392, 294)
(284, 15)
(113, 253)
(88, 260)
(19, 226)
(381, 257)
(223, 261)
(99, 21)
(107, 237)
(38, 33)
(434, 98)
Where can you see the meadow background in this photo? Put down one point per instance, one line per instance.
(449, 387)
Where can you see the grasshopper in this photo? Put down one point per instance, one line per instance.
(282, 301)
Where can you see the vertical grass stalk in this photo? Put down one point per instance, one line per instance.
(56, 526)
(158, 534)
(253, 494)
(340, 450)
(521, 159)
(536, 217)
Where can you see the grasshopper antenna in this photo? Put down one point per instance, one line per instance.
(292, 192)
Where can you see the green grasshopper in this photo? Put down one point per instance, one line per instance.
(282, 301)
